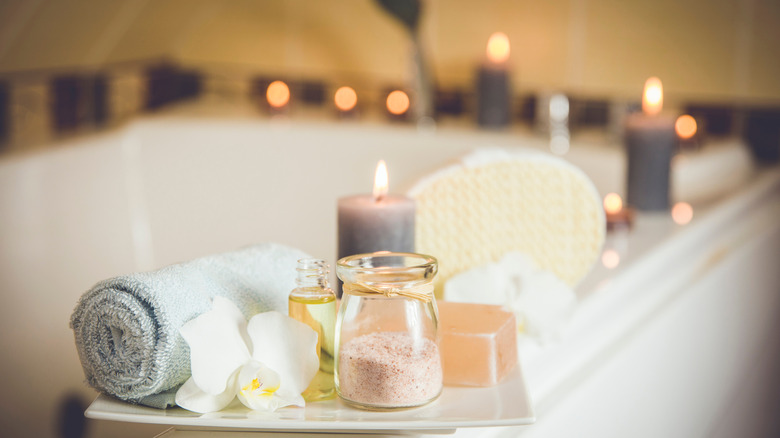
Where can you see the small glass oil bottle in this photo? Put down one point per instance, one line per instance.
(314, 303)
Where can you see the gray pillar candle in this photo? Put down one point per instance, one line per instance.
(493, 85)
(492, 98)
(366, 224)
(377, 222)
(650, 143)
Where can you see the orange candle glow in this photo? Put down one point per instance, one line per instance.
(617, 216)
(685, 126)
(345, 98)
(380, 181)
(498, 48)
(613, 203)
(397, 102)
(653, 98)
(278, 94)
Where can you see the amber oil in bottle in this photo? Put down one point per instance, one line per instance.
(314, 303)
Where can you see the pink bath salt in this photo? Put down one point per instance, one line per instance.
(387, 369)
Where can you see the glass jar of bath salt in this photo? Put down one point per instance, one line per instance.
(387, 344)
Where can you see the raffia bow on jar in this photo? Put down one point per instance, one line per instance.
(422, 292)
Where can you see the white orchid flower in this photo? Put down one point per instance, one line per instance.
(542, 302)
(267, 363)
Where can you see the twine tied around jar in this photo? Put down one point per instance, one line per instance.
(422, 292)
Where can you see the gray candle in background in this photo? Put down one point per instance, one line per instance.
(493, 85)
(493, 107)
(650, 144)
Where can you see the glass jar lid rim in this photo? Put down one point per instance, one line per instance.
(427, 260)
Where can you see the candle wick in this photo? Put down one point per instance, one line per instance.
(378, 198)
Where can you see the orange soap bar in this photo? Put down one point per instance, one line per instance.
(478, 343)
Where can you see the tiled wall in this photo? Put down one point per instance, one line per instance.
(707, 50)
(37, 109)
(61, 61)
(4, 113)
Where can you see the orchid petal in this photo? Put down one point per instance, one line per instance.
(192, 398)
(288, 347)
(545, 304)
(485, 284)
(258, 388)
(217, 346)
(517, 264)
(290, 397)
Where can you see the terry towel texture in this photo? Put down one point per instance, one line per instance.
(127, 327)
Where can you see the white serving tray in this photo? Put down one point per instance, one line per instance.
(506, 404)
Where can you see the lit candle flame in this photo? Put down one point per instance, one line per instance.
(278, 94)
(685, 126)
(613, 203)
(653, 100)
(397, 102)
(380, 181)
(498, 48)
(345, 98)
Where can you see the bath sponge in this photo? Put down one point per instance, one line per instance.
(493, 201)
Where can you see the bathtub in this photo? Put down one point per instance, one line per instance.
(680, 339)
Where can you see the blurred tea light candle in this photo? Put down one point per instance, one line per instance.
(278, 95)
(686, 128)
(377, 221)
(617, 215)
(650, 142)
(397, 103)
(345, 100)
(493, 88)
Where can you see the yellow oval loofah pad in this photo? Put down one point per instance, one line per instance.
(496, 201)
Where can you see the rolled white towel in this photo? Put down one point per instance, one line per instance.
(127, 328)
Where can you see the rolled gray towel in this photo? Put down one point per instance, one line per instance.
(127, 327)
